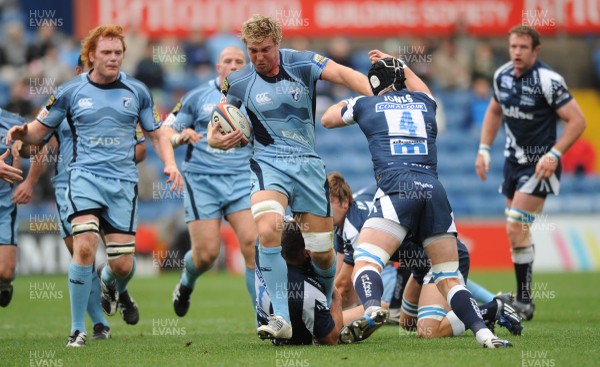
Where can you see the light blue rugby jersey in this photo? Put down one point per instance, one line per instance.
(103, 121)
(194, 111)
(281, 108)
(7, 121)
(64, 137)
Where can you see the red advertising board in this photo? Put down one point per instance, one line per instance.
(326, 18)
(487, 243)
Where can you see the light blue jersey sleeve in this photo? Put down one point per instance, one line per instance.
(148, 117)
(59, 104)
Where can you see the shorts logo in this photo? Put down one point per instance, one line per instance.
(263, 98)
(85, 103)
(127, 102)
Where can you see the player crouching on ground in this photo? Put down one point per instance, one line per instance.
(312, 321)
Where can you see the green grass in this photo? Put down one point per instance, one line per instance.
(219, 330)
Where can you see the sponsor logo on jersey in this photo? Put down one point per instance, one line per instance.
(85, 103)
(384, 106)
(127, 102)
(177, 108)
(157, 121)
(408, 147)
(51, 101)
(225, 86)
(208, 107)
(527, 101)
(294, 135)
(514, 112)
(263, 98)
(319, 60)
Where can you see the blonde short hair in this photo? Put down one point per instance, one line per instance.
(259, 27)
(339, 188)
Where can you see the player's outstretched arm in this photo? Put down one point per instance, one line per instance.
(30, 133)
(346, 76)
(572, 115)
(491, 123)
(164, 149)
(9, 173)
(24, 191)
(332, 118)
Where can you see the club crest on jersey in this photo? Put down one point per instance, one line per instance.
(85, 103)
(127, 102)
(295, 93)
(506, 81)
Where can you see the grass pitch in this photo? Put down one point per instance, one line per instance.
(219, 330)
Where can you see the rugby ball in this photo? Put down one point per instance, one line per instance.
(231, 119)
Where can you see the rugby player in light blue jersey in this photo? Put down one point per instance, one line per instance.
(10, 197)
(60, 145)
(102, 108)
(217, 182)
(529, 100)
(278, 91)
(400, 126)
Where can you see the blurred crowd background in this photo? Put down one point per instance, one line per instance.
(40, 43)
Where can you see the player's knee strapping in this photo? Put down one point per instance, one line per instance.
(372, 254)
(85, 227)
(409, 308)
(318, 241)
(116, 250)
(446, 270)
(267, 206)
(435, 312)
(515, 215)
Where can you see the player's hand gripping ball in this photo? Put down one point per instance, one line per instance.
(230, 119)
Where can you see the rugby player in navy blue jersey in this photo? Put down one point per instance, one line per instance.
(529, 100)
(400, 126)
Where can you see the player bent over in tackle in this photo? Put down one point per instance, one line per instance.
(312, 320)
(103, 108)
(278, 91)
(399, 123)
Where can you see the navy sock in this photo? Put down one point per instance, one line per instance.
(489, 310)
(369, 286)
(465, 307)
